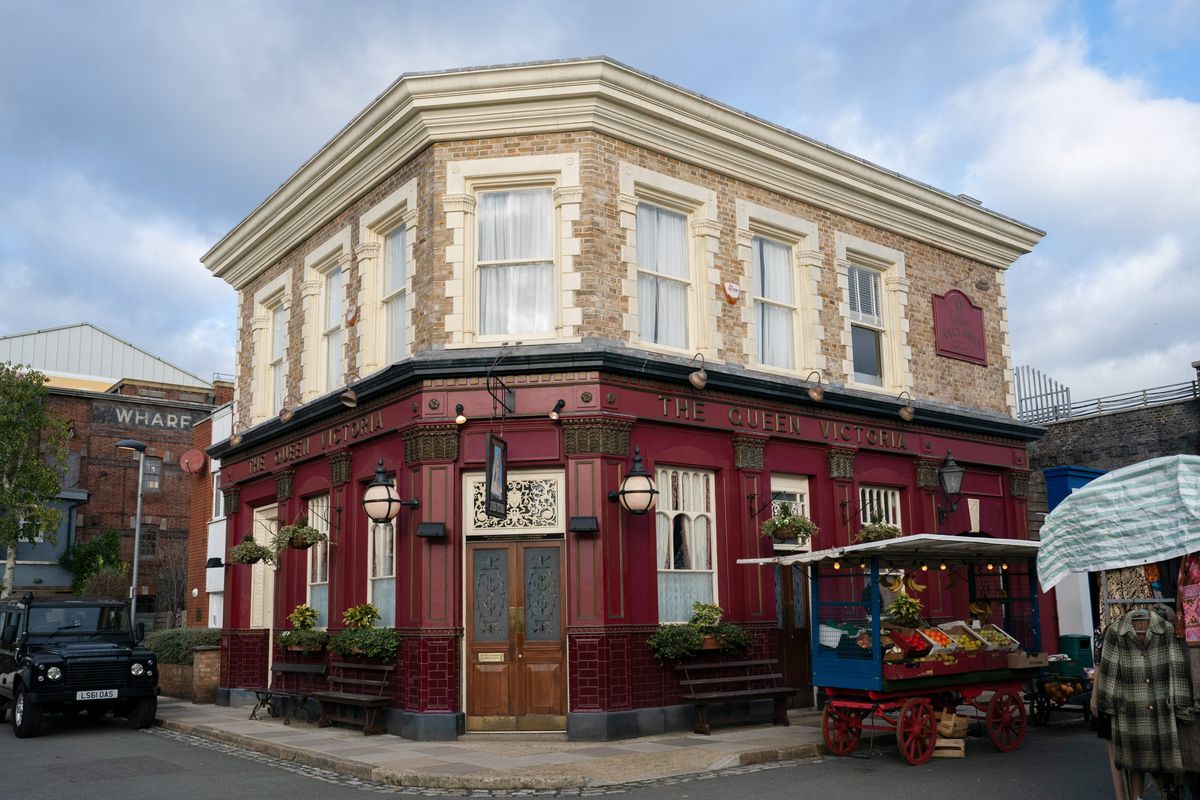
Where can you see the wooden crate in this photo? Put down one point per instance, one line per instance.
(951, 725)
(950, 748)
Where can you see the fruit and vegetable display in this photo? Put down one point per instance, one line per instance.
(1062, 691)
(997, 639)
(938, 637)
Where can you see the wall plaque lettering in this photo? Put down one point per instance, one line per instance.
(958, 328)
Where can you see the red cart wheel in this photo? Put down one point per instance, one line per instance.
(916, 731)
(1006, 721)
(841, 730)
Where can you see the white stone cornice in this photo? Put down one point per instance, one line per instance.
(603, 96)
(458, 202)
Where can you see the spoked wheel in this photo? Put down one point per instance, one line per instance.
(841, 729)
(1006, 721)
(1039, 709)
(916, 731)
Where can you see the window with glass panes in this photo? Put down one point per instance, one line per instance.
(152, 470)
(318, 559)
(686, 539)
(515, 262)
(218, 497)
(276, 349)
(381, 572)
(333, 332)
(664, 276)
(395, 300)
(866, 326)
(774, 302)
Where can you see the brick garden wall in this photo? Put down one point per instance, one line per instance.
(243, 658)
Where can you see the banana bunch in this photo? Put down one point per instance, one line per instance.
(893, 583)
(913, 585)
(980, 610)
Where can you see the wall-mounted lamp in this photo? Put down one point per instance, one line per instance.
(698, 378)
(815, 393)
(906, 412)
(381, 501)
(216, 563)
(637, 492)
(460, 415)
(349, 397)
(289, 409)
(558, 406)
(236, 438)
(950, 476)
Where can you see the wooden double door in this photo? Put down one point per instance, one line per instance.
(516, 670)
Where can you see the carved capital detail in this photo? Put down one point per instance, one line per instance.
(1018, 484)
(283, 484)
(927, 474)
(748, 452)
(232, 496)
(339, 467)
(431, 443)
(841, 463)
(606, 436)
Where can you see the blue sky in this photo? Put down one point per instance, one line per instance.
(133, 135)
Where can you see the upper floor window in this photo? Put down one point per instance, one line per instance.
(686, 540)
(395, 292)
(386, 270)
(148, 542)
(879, 504)
(277, 363)
(664, 276)
(152, 473)
(515, 262)
(866, 326)
(218, 497)
(333, 333)
(774, 302)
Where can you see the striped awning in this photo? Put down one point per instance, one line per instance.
(1140, 514)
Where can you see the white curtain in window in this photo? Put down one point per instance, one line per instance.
(395, 301)
(663, 275)
(683, 527)
(335, 336)
(864, 296)
(318, 560)
(278, 332)
(772, 269)
(515, 253)
(383, 581)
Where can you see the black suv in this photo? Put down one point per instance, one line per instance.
(71, 655)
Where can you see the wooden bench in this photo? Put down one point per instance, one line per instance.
(299, 697)
(347, 691)
(706, 682)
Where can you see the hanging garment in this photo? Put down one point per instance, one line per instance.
(1187, 621)
(1145, 687)
(1123, 584)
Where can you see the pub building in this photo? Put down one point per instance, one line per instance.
(504, 303)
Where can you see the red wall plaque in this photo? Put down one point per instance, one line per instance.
(958, 327)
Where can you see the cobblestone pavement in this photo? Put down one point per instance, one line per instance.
(337, 778)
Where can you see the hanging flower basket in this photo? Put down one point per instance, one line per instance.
(788, 527)
(249, 551)
(299, 535)
(877, 532)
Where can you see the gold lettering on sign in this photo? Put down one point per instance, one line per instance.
(491, 658)
(683, 408)
(257, 463)
(348, 431)
(292, 451)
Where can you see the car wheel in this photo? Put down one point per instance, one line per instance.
(142, 713)
(26, 716)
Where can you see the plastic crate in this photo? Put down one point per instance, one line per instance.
(1078, 647)
(1067, 669)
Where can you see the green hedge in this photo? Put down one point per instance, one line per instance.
(174, 645)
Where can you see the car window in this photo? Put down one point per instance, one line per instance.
(76, 619)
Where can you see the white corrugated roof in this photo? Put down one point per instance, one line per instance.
(85, 351)
(924, 546)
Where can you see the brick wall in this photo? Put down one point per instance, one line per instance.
(929, 269)
(243, 658)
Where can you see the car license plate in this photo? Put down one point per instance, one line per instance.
(96, 694)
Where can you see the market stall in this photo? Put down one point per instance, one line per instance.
(884, 665)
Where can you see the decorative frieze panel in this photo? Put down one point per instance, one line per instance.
(283, 484)
(1018, 484)
(748, 452)
(841, 463)
(536, 504)
(431, 443)
(604, 436)
(232, 496)
(927, 474)
(339, 467)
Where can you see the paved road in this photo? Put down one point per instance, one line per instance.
(106, 761)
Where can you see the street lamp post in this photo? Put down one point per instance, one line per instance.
(140, 448)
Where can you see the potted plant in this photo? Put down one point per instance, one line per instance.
(359, 637)
(364, 615)
(674, 640)
(877, 530)
(303, 640)
(905, 611)
(788, 527)
(249, 551)
(299, 535)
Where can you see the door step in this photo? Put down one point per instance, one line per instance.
(513, 736)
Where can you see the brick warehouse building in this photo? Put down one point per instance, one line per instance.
(550, 254)
(110, 390)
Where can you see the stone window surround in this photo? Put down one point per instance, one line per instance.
(398, 208)
(275, 294)
(795, 484)
(334, 253)
(895, 352)
(699, 205)
(803, 237)
(464, 179)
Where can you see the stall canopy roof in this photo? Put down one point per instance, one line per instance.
(920, 547)
(1135, 515)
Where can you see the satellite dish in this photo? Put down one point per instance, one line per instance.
(193, 461)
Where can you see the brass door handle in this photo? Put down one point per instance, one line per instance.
(521, 619)
(512, 620)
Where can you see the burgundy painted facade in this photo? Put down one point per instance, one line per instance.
(610, 577)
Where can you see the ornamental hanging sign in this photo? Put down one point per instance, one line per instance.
(958, 328)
